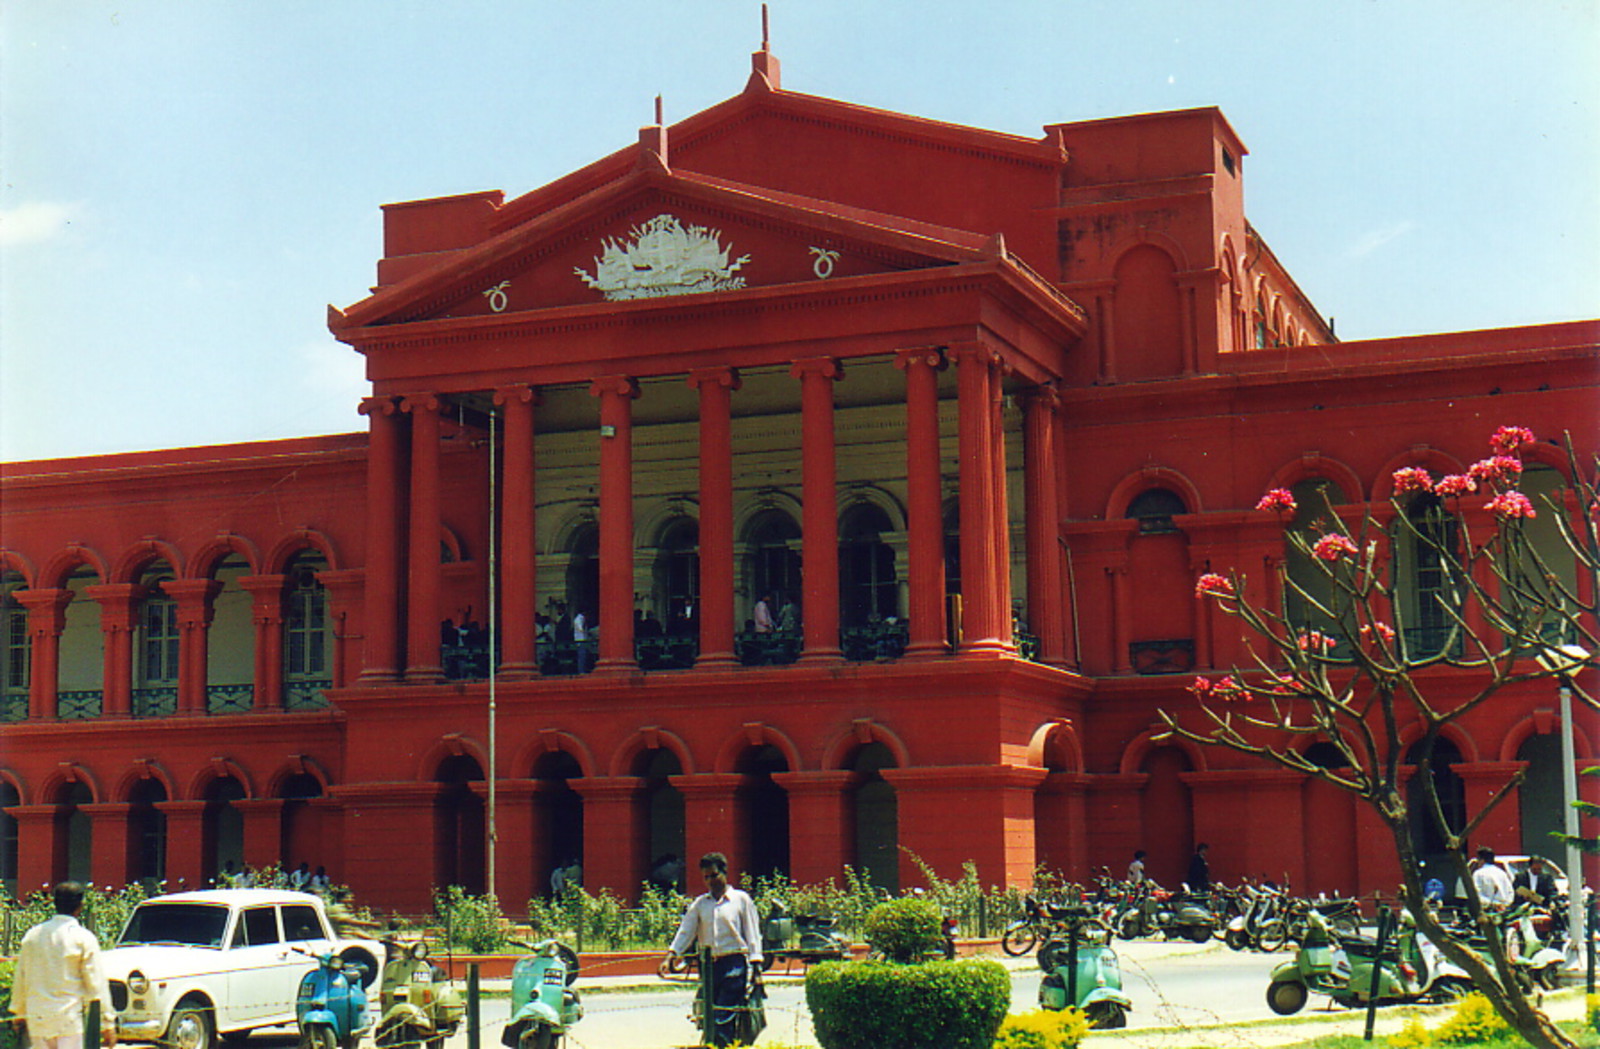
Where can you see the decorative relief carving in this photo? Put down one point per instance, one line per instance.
(823, 266)
(664, 258)
(497, 297)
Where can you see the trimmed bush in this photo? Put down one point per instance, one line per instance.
(882, 1005)
(904, 930)
(1474, 1021)
(1043, 1029)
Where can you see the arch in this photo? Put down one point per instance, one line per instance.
(1541, 723)
(1144, 237)
(1463, 741)
(756, 734)
(1061, 736)
(61, 565)
(838, 752)
(297, 765)
(1431, 459)
(296, 541)
(650, 528)
(1133, 485)
(16, 783)
(219, 768)
(13, 561)
(1140, 746)
(566, 534)
(1319, 467)
(141, 771)
(549, 740)
(650, 738)
(446, 747)
(69, 772)
(206, 559)
(745, 515)
(1545, 453)
(873, 495)
(141, 555)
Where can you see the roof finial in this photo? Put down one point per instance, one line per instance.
(764, 64)
(659, 121)
(766, 35)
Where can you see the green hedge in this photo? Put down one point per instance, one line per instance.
(905, 930)
(883, 1005)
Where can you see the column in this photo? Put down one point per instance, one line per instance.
(266, 613)
(716, 386)
(108, 862)
(1046, 597)
(381, 659)
(616, 394)
(521, 850)
(820, 821)
(1002, 502)
(263, 831)
(980, 628)
(120, 604)
(389, 842)
(924, 515)
(422, 606)
(711, 819)
(344, 588)
(194, 598)
(995, 829)
(47, 618)
(186, 861)
(36, 847)
(519, 594)
(819, 511)
(615, 833)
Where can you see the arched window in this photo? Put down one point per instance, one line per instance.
(147, 831)
(677, 572)
(222, 827)
(772, 556)
(15, 661)
(307, 663)
(1541, 569)
(1310, 599)
(9, 838)
(583, 572)
(158, 633)
(665, 815)
(1427, 573)
(74, 833)
(764, 808)
(868, 588)
(559, 808)
(877, 818)
(1155, 508)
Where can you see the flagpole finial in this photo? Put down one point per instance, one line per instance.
(766, 33)
(659, 121)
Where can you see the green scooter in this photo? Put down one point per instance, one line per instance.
(1341, 966)
(1082, 970)
(417, 1003)
(543, 1004)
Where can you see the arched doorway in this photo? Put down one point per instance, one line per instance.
(10, 838)
(772, 558)
(1427, 837)
(583, 573)
(869, 590)
(558, 810)
(458, 823)
(147, 832)
(222, 828)
(875, 812)
(663, 810)
(299, 825)
(763, 809)
(1541, 796)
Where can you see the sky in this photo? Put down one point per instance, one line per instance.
(185, 185)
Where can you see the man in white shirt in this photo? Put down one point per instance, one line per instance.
(58, 974)
(1492, 881)
(1136, 868)
(580, 638)
(725, 920)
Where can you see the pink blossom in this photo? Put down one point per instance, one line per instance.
(1499, 470)
(1201, 687)
(1228, 690)
(1277, 499)
(1508, 440)
(1412, 479)
(1511, 504)
(1379, 627)
(1333, 546)
(1284, 685)
(1213, 585)
(1314, 639)
(1455, 484)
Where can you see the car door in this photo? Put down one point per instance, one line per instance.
(263, 973)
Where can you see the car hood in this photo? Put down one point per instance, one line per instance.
(158, 961)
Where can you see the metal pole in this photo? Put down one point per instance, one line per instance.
(1384, 917)
(1569, 790)
(91, 1025)
(708, 998)
(494, 671)
(474, 1010)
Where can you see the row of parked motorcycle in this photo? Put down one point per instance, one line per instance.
(418, 1006)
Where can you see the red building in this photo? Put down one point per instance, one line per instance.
(818, 480)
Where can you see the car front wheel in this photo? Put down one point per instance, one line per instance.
(191, 1028)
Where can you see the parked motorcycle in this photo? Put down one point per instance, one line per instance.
(1341, 965)
(808, 938)
(1260, 922)
(331, 1005)
(1082, 970)
(1154, 909)
(544, 1007)
(417, 1004)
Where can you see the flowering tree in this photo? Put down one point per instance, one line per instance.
(1336, 660)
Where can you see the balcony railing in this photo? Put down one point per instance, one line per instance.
(230, 699)
(1430, 642)
(159, 702)
(79, 704)
(874, 641)
(305, 695)
(14, 706)
(1173, 656)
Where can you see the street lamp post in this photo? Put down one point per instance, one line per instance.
(1564, 661)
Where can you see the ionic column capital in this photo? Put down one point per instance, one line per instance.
(420, 402)
(378, 406)
(928, 356)
(616, 386)
(722, 375)
(518, 394)
(827, 367)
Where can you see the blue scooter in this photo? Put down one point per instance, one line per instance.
(543, 1004)
(331, 1006)
(1081, 970)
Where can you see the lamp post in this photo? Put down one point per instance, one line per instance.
(1563, 661)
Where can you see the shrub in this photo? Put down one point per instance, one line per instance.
(471, 922)
(883, 1005)
(904, 930)
(1594, 1011)
(1043, 1029)
(1473, 1021)
(1412, 1036)
(10, 1037)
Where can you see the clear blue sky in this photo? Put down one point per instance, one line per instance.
(187, 184)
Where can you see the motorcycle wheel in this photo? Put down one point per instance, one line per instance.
(1019, 939)
(1287, 997)
(1129, 927)
(1106, 1015)
(538, 1036)
(318, 1038)
(1548, 978)
(1449, 989)
(1273, 936)
(1196, 933)
(1236, 939)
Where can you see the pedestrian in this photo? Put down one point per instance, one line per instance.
(725, 920)
(1492, 882)
(1199, 877)
(58, 974)
(1535, 884)
(1136, 868)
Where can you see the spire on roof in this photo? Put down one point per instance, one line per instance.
(764, 67)
(653, 142)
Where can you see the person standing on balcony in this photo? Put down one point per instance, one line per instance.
(763, 614)
(58, 974)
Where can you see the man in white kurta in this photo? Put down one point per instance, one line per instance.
(725, 920)
(58, 974)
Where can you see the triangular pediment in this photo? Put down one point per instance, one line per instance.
(658, 235)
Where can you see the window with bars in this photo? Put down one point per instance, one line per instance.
(305, 626)
(15, 666)
(158, 628)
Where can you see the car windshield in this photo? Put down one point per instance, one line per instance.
(187, 924)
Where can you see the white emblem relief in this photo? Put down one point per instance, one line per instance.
(663, 257)
(823, 267)
(497, 296)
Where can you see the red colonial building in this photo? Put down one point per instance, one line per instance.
(815, 483)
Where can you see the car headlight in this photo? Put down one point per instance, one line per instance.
(137, 982)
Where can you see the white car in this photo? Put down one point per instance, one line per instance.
(195, 965)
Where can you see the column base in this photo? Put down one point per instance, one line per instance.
(424, 675)
(716, 661)
(821, 655)
(377, 677)
(927, 650)
(614, 668)
(518, 672)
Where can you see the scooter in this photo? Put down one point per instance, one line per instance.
(1260, 923)
(417, 1002)
(1341, 965)
(1154, 909)
(806, 937)
(1082, 971)
(1526, 950)
(543, 1004)
(331, 1005)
